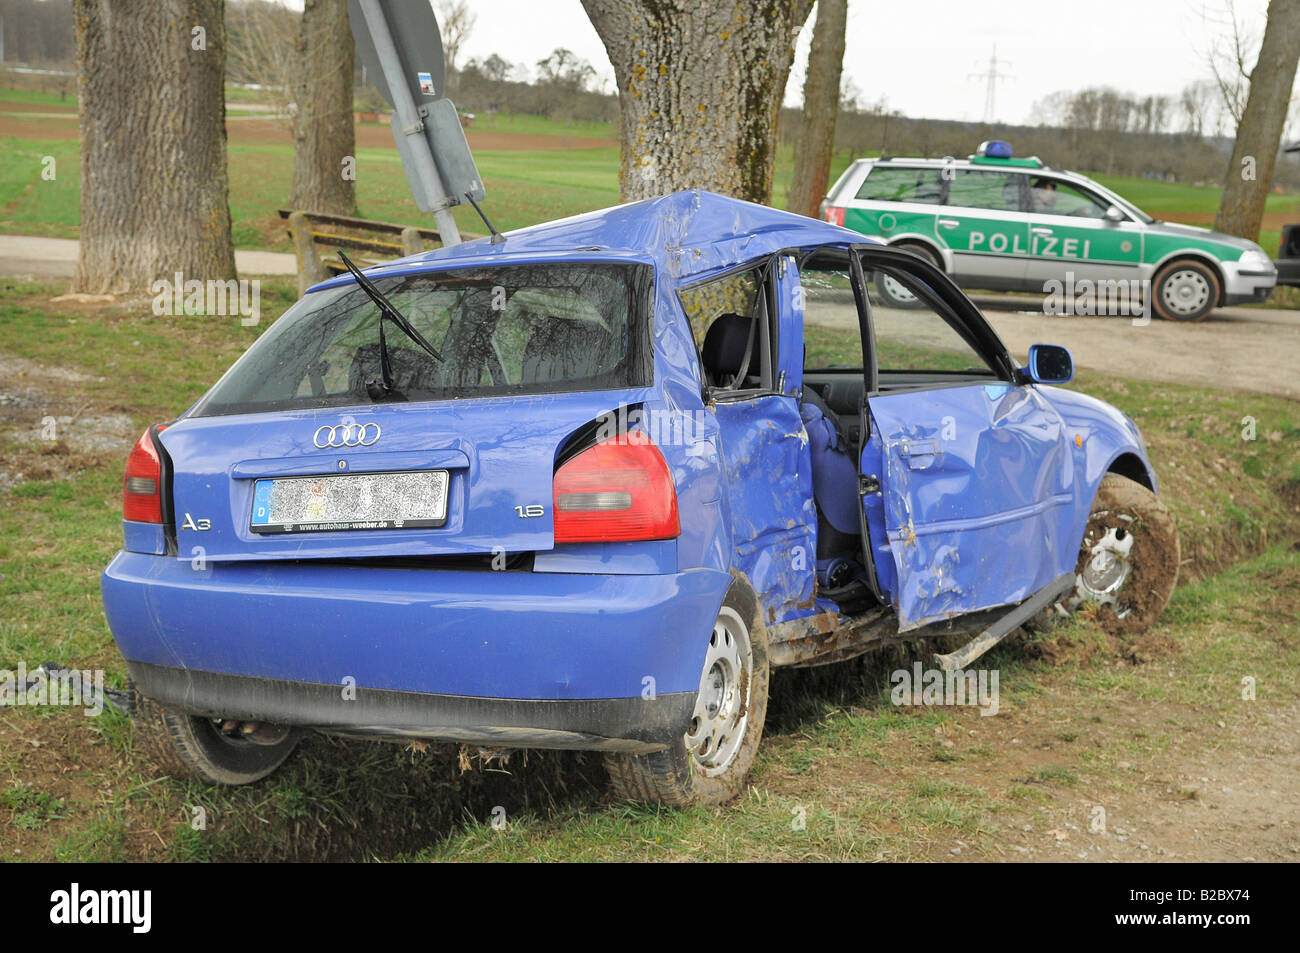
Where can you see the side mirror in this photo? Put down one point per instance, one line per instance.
(1049, 364)
(1113, 214)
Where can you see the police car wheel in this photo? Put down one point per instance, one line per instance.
(893, 291)
(710, 764)
(1185, 291)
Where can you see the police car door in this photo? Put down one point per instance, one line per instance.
(981, 222)
(967, 478)
(1069, 233)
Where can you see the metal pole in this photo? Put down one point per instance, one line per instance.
(408, 120)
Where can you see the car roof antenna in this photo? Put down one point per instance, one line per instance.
(497, 237)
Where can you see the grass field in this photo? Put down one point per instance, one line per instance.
(524, 186)
(874, 781)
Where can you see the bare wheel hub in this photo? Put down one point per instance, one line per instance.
(718, 725)
(1108, 566)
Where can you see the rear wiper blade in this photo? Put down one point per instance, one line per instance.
(389, 311)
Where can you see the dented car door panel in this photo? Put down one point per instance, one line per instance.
(977, 498)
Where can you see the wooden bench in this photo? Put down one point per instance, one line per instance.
(377, 242)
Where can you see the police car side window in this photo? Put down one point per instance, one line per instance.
(977, 188)
(902, 185)
(1054, 197)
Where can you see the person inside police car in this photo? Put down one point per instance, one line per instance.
(1044, 195)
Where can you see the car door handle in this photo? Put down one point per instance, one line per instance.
(948, 223)
(919, 454)
(1041, 231)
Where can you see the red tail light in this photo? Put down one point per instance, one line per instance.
(835, 215)
(142, 486)
(619, 489)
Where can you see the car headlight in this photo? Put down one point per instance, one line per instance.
(1255, 259)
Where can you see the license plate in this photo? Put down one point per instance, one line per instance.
(411, 499)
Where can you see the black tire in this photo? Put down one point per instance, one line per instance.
(892, 292)
(1125, 513)
(189, 747)
(1185, 290)
(681, 776)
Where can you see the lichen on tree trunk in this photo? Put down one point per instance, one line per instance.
(324, 142)
(154, 193)
(700, 86)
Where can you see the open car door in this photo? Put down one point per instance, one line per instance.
(966, 474)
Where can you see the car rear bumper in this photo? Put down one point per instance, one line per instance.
(452, 652)
(607, 724)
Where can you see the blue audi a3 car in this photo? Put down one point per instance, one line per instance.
(585, 487)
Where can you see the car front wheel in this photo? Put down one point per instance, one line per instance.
(1128, 560)
(1185, 291)
(711, 762)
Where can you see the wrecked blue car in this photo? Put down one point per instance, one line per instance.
(585, 487)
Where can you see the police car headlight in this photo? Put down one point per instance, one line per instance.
(1256, 260)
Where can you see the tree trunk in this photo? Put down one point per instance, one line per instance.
(324, 142)
(821, 107)
(152, 107)
(700, 84)
(1259, 135)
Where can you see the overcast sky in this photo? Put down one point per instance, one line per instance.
(927, 57)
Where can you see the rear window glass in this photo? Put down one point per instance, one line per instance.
(902, 185)
(523, 329)
(973, 188)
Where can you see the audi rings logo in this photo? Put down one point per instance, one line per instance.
(346, 435)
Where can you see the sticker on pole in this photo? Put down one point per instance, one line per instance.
(426, 84)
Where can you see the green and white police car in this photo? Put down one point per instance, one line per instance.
(1000, 223)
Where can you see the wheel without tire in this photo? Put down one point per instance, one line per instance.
(896, 294)
(187, 746)
(1128, 558)
(1185, 291)
(711, 762)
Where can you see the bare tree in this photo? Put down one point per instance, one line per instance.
(1259, 134)
(821, 101)
(700, 84)
(455, 22)
(1229, 60)
(262, 48)
(324, 142)
(154, 193)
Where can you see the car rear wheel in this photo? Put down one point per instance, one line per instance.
(1185, 291)
(1128, 560)
(711, 762)
(894, 292)
(187, 746)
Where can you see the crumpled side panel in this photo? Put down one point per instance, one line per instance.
(768, 476)
(978, 494)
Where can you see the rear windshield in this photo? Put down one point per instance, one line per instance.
(522, 329)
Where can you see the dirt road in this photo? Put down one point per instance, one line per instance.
(1250, 349)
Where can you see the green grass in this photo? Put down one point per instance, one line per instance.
(32, 97)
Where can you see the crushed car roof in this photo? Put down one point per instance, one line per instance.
(686, 234)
